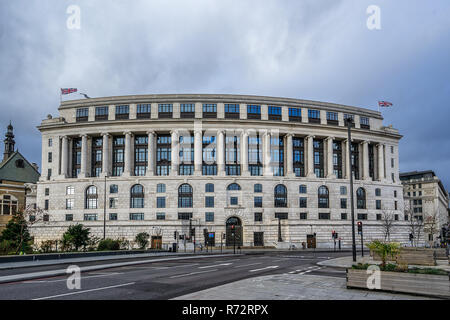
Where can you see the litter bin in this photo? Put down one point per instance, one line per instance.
(174, 247)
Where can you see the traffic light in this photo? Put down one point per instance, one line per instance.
(192, 234)
(175, 235)
(359, 226)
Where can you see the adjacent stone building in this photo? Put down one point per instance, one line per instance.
(250, 170)
(426, 199)
(17, 177)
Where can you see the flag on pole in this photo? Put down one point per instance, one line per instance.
(68, 90)
(384, 104)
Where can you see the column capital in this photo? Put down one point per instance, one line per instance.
(174, 131)
(84, 135)
(150, 132)
(103, 134)
(289, 135)
(310, 136)
(198, 131)
(330, 138)
(128, 133)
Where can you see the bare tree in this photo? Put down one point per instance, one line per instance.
(415, 227)
(387, 223)
(430, 227)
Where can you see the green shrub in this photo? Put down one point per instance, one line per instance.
(142, 239)
(6, 247)
(108, 244)
(384, 250)
(76, 236)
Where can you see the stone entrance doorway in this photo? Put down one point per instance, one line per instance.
(233, 232)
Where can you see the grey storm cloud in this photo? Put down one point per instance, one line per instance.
(310, 49)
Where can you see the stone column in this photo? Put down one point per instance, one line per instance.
(128, 154)
(381, 176)
(198, 152)
(220, 153)
(330, 165)
(266, 155)
(175, 153)
(289, 156)
(151, 154)
(84, 155)
(365, 147)
(244, 153)
(347, 159)
(310, 155)
(105, 155)
(64, 157)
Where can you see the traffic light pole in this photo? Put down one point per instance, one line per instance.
(362, 244)
(349, 143)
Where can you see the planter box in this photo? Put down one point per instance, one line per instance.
(402, 282)
(417, 256)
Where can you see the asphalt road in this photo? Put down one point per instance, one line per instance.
(168, 279)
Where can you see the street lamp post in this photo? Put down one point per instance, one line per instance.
(104, 212)
(279, 230)
(349, 122)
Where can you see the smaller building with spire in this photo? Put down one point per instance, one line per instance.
(17, 177)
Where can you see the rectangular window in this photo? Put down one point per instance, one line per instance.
(163, 154)
(69, 217)
(324, 215)
(50, 142)
(209, 202)
(295, 114)
(140, 155)
(362, 216)
(184, 215)
(209, 216)
(302, 189)
(101, 113)
(70, 190)
(186, 156)
(90, 217)
(277, 155)
(274, 113)
(82, 114)
(161, 202)
(257, 188)
(318, 147)
(313, 116)
(112, 203)
(343, 216)
(165, 110)
(209, 110)
(255, 154)
(209, 166)
(298, 152)
(122, 112)
(96, 156)
(378, 204)
(47, 191)
(337, 159)
(303, 202)
(49, 157)
(232, 111)
(46, 204)
(69, 204)
(234, 201)
(378, 192)
(136, 216)
(143, 111)
(258, 216)
(281, 215)
(378, 216)
(113, 188)
(160, 216)
(49, 174)
(257, 202)
(233, 155)
(343, 203)
(118, 155)
(303, 215)
(113, 216)
(332, 118)
(364, 122)
(253, 111)
(395, 205)
(343, 190)
(187, 110)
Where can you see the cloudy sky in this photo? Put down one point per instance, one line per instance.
(310, 49)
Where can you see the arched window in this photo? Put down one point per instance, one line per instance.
(8, 204)
(91, 198)
(361, 198)
(324, 197)
(234, 187)
(280, 196)
(137, 196)
(209, 187)
(185, 196)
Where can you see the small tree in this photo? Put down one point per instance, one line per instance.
(142, 239)
(387, 223)
(384, 250)
(76, 236)
(430, 227)
(415, 227)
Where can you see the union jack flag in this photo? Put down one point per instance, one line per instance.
(384, 104)
(68, 90)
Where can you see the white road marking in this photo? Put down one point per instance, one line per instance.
(82, 278)
(216, 265)
(270, 267)
(228, 260)
(246, 265)
(192, 273)
(84, 291)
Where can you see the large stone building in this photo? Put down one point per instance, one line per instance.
(426, 199)
(17, 179)
(275, 168)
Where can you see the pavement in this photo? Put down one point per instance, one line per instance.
(292, 287)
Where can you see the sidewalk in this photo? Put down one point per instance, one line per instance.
(292, 287)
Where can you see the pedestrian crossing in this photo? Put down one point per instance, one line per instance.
(305, 270)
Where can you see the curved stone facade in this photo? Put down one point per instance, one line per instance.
(294, 151)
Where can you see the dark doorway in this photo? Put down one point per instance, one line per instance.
(156, 242)
(258, 239)
(311, 240)
(234, 232)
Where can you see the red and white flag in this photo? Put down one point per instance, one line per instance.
(384, 104)
(68, 90)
